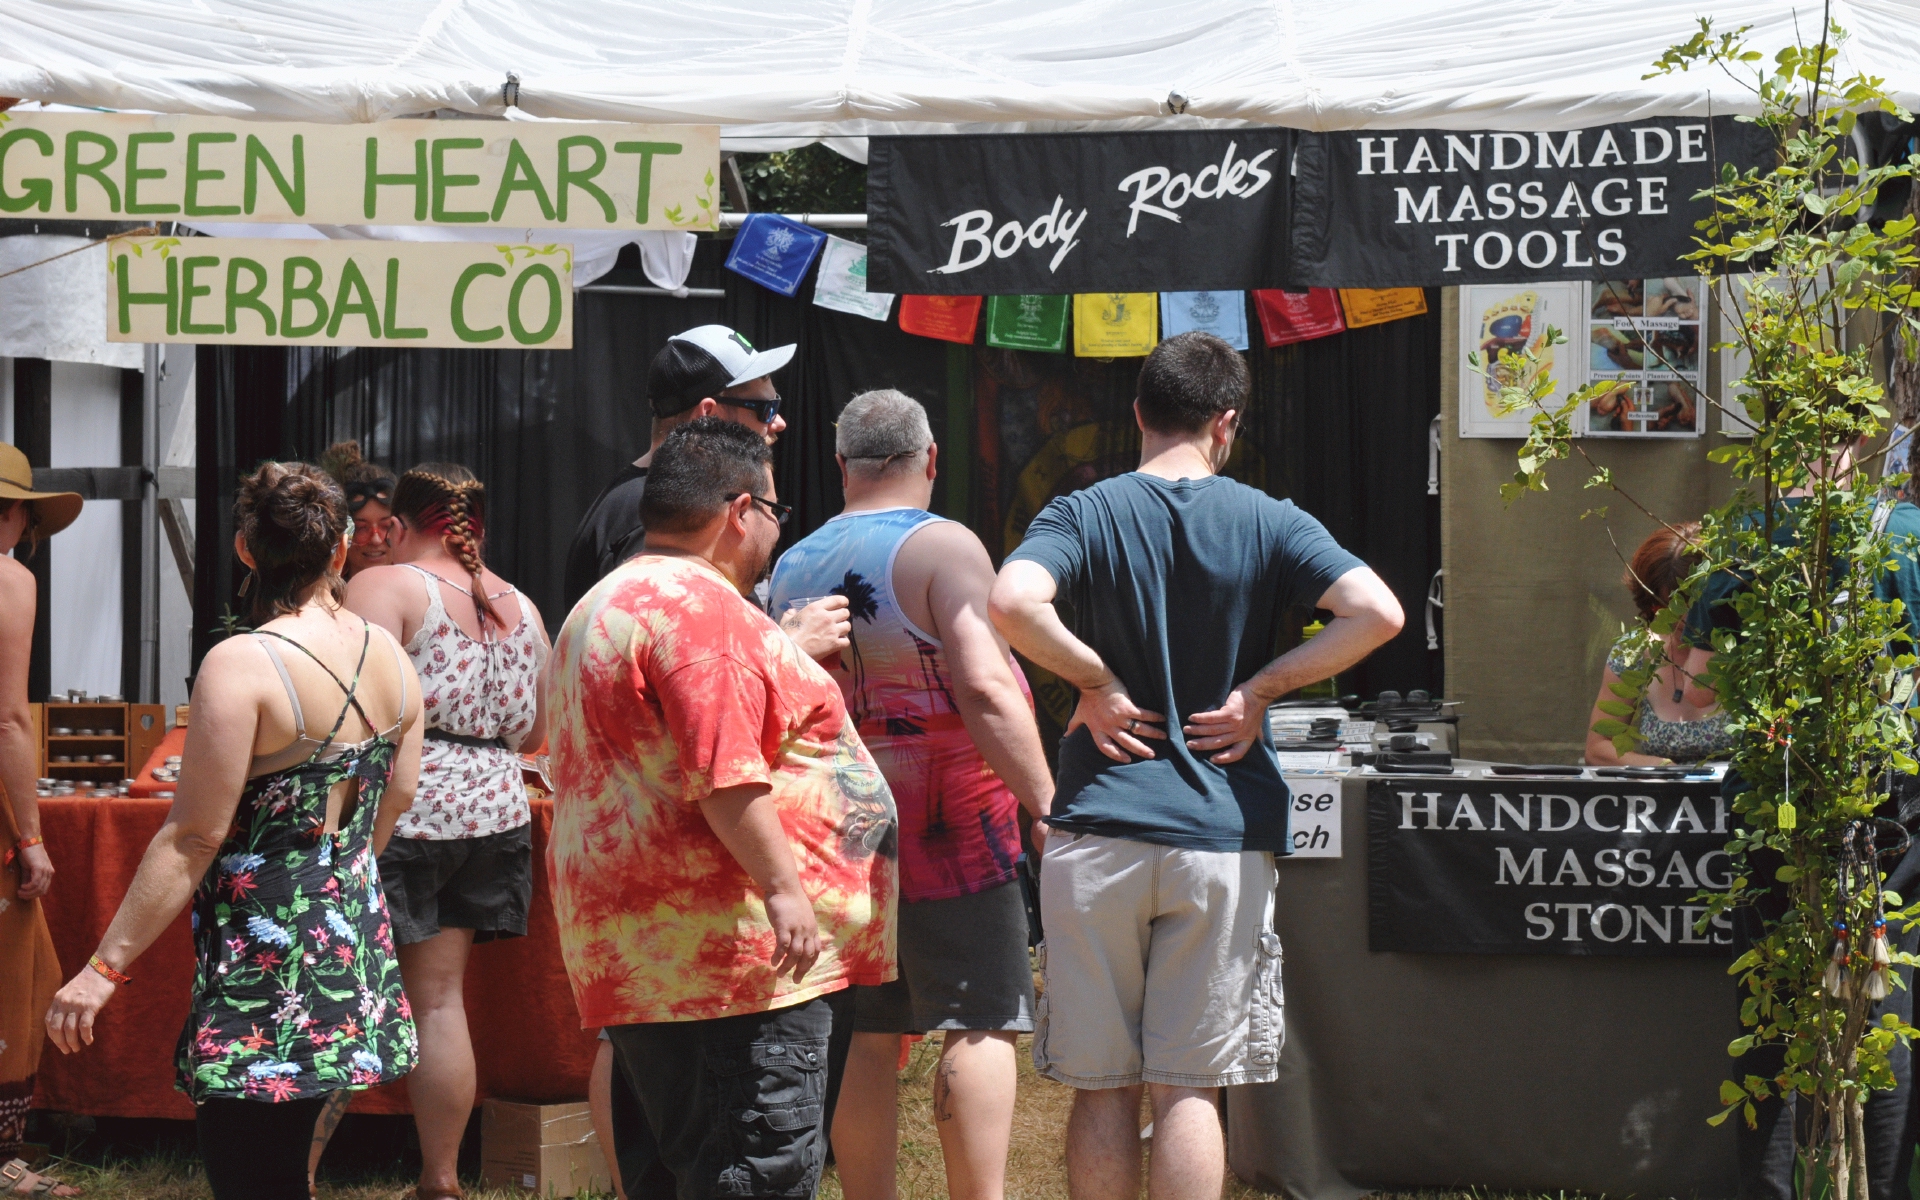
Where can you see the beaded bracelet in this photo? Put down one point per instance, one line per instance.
(107, 971)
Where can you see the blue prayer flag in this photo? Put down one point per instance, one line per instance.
(1223, 314)
(774, 252)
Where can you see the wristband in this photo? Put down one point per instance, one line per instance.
(20, 845)
(103, 969)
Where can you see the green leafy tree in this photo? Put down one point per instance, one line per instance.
(1814, 672)
(812, 179)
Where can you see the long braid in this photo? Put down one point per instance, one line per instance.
(465, 531)
(446, 499)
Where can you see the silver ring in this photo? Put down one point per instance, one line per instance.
(1132, 723)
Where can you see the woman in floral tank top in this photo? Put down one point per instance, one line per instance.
(460, 867)
(303, 751)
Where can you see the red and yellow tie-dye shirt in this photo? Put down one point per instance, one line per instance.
(666, 686)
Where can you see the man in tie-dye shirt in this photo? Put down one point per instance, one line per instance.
(724, 861)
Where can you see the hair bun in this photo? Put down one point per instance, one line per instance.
(291, 516)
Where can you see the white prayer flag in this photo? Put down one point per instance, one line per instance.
(842, 285)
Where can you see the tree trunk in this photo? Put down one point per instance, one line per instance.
(1857, 1129)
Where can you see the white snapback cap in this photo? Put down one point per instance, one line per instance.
(735, 353)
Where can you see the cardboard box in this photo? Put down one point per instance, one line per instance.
(546, 1149)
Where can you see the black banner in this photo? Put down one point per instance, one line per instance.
(1012, 214)
(1427, 207)
(1513, 866)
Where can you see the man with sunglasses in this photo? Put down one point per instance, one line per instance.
(711, 371)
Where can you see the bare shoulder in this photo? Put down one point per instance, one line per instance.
(944, 543)
(16, 579)
(233, 666)
(375, 581)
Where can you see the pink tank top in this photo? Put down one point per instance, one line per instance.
(959, 829)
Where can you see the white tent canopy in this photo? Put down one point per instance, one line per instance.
(845, 68)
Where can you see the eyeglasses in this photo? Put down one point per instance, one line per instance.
(361, 532)
(763, 410)
(781, 512)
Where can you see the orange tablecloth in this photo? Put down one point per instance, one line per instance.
(527, 1038)
(144, 784)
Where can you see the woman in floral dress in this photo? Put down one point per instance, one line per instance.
(303, 752)
(460, 867)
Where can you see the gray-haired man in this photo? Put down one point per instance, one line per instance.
(944, 712)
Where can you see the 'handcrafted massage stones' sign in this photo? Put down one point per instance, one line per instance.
(275, 291)
(513, 174)
(1425, 207)
(1517, 866)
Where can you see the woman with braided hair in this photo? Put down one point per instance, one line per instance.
(460, 867)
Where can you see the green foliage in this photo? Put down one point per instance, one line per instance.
(812, 179)
(1814, 673)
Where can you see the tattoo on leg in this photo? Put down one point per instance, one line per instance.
(943, 1090)
(330, 1114)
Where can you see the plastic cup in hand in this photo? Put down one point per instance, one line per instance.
(792, 607)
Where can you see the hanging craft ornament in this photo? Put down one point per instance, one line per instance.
(1859, 874)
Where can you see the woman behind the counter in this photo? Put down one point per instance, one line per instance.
(1667, 728)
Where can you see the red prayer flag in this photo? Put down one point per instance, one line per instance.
(949, 318)
(1288, 317)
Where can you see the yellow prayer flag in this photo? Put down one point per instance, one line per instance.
(1377, 306)
(1115, 324)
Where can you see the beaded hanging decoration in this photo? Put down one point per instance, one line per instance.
(1859, 874)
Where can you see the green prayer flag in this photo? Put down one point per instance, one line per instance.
(1027, 323)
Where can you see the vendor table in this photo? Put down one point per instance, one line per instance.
(144, 784)
(528, 1043)
(1534, 1073)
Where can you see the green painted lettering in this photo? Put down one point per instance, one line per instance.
(238, 299)
(127, 297)
(458, 308)
(257, 157)
(583, 179)
(442, 181)
(95, 170)
(33, 192)
(353, 283)
(520, 177)
(545, 274)
(417, 180)
(196, 174)
(646, 151)
(308, 291)
(391, 326)
(189, 290)
(135, 173)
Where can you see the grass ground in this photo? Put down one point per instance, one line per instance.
(1036, 1168)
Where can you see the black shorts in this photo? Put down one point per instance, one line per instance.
(484, 884)
(963, 965)
(732, 1106)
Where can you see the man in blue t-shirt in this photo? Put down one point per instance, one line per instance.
(1161, 961)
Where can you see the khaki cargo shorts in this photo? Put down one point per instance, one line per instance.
(1161, 965)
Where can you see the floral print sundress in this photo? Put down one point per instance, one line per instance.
(296, 989)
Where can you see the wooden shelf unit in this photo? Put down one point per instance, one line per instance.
(129, 732)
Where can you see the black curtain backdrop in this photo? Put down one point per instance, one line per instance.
(1338, 425)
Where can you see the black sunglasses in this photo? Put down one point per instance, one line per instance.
(781, 512)
(763, 410)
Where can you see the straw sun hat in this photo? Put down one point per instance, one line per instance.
(56, 510)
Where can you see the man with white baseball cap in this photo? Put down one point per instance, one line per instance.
(707, 371)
